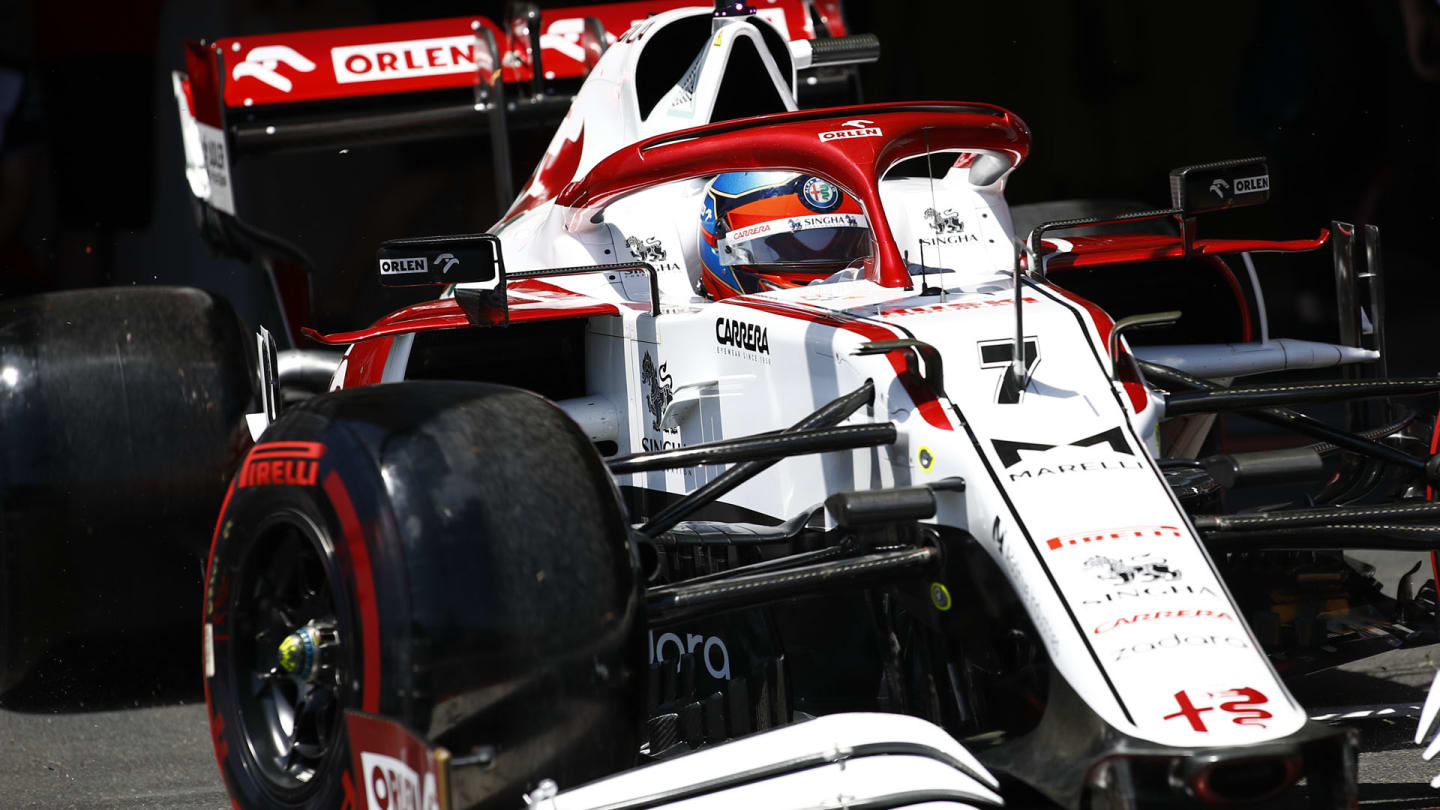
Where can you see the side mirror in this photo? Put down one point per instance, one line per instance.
(441, 260)
(1216, 186)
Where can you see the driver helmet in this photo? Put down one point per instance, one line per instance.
(771, 230)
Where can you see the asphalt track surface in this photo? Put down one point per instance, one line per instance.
(89, 743)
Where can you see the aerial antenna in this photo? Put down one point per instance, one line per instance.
(924, 283)
(1015, 381)
(934, 217)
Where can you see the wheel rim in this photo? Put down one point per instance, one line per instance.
(288, 662)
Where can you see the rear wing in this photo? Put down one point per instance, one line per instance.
(451, 82)
(246, 96)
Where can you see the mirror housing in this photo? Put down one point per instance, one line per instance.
(442, 260)
(1221, 185)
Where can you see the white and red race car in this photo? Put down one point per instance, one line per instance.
(927, 531)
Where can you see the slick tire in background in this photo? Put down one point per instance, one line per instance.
(451, 556)
(122, 417)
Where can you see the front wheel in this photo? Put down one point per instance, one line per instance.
(284, 637)
(450, 556)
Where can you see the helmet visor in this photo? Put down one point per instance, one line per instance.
(825, 239)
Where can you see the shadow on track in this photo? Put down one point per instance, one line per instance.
(114, 671)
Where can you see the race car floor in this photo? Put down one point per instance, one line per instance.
(84, 747)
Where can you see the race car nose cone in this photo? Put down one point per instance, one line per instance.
(297, 653)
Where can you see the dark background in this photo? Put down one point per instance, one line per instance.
(1340, 96)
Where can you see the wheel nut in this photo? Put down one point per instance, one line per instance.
(297, 653)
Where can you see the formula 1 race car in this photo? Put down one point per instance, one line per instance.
(758, 455)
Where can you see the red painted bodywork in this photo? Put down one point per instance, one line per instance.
(556, 169)
(365, 362)
(202, 84)
(1089, 251)
(831, 18)
(793, 142)
(321, 82)
(372, 734)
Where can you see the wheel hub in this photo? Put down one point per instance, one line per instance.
(289, 661)
(308, 652)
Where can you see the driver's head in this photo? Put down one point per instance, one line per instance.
(768, 230)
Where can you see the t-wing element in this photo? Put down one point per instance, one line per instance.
(848, 146)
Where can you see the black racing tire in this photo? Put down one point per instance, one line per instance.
(465, 552)
(122, 417)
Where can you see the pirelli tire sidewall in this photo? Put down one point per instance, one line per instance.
(479, 556)
(340, 501)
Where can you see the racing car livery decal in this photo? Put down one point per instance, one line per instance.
(277, 463)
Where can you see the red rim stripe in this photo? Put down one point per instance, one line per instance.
(217, 723)
(364, 589)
